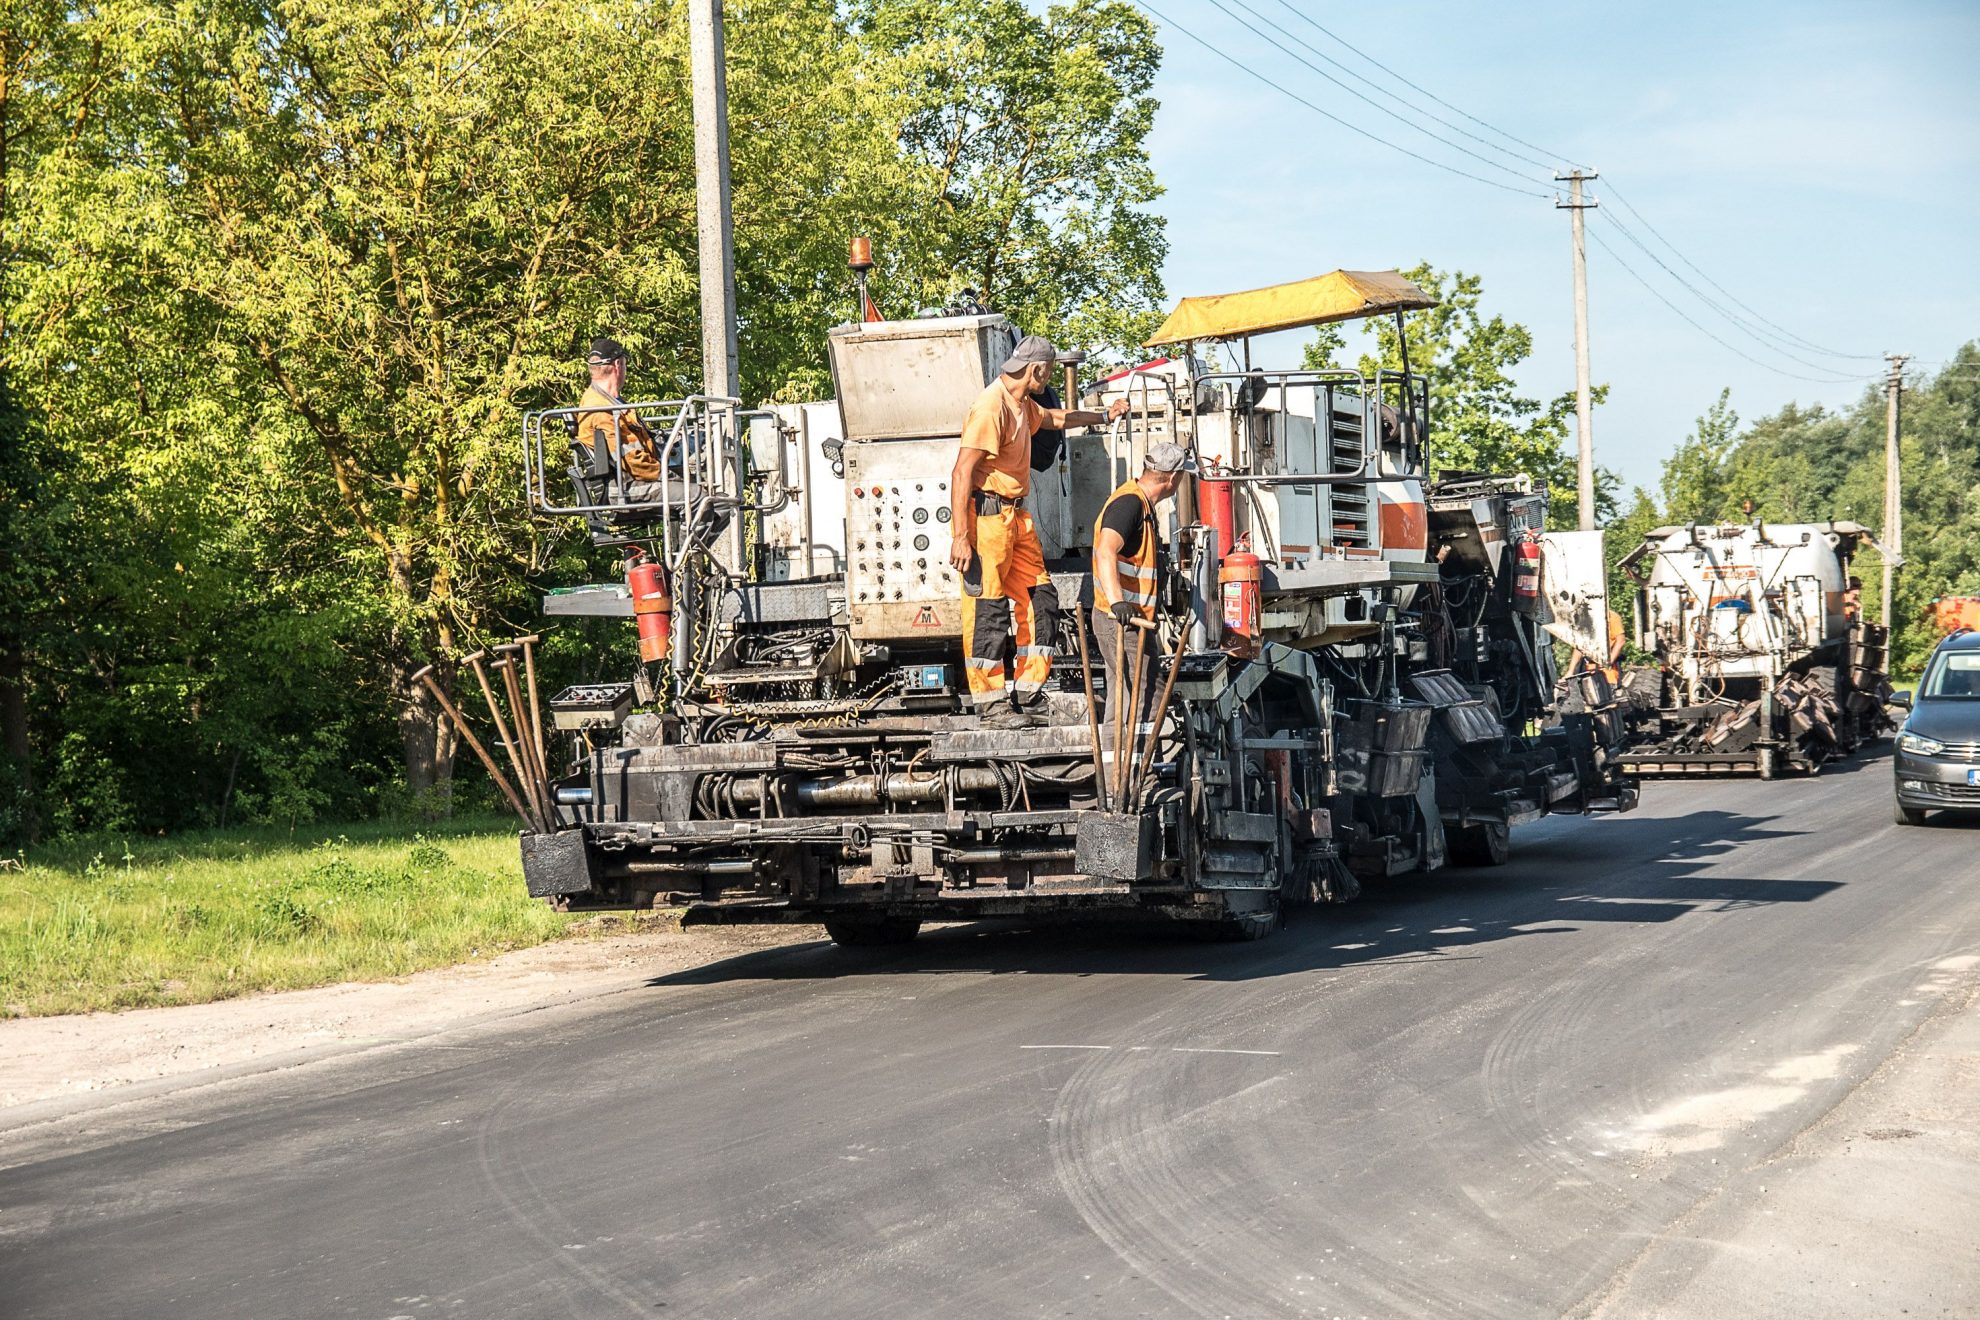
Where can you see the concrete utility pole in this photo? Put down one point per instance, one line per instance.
(1583, 404)
(1893, 537)
(711, 192)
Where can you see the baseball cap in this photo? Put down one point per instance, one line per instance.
(1167, 456)
(1030, 349)
(605, 350)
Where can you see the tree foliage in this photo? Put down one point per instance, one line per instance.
(1695, 478)
(277, 277)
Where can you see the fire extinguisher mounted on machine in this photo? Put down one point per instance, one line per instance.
(1241, 583)
(653, 608)
(1526, 573)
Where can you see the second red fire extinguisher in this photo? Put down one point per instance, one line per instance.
(1241, 582)
(1526, 572)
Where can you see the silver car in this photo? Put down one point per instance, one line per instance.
(1938, 748)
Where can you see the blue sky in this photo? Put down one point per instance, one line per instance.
(1821, 161)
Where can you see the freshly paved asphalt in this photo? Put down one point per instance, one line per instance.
(1477, 1093)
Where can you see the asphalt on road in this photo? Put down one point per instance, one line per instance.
(1477, 1093)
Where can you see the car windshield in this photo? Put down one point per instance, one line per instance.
(1954, 674)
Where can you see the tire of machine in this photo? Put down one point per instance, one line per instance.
(1903, 815)
(1246, 928)
(871, 932)
(1487, 844)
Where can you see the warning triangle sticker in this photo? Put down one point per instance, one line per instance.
(925, 618)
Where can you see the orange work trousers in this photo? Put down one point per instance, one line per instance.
(1019, 604)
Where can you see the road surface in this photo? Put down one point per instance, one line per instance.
(1491, 1093)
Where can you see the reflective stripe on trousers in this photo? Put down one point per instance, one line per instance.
(1019, 604)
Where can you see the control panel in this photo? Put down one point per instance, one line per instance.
(899, 583)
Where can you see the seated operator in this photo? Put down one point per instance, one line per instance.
(626, 437)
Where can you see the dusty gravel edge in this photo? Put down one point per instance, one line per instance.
(51, 1067)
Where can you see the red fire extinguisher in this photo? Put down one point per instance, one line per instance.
(1526, 572)
(1215, 497)
(1241, 581)
(653, 608)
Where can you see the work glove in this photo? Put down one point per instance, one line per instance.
(1122, 612)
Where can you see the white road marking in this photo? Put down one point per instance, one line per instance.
(1173, 1049)
(1184, 1049)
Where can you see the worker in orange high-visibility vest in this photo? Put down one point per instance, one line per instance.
(1126, 568)
(1008, 596)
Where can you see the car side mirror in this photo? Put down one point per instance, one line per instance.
(1899, 699)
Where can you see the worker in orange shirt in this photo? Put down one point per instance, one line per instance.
(617, 427)
(1008, 597)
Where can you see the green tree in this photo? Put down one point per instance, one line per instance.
(280, 274)
(1031, 133)
(1696, 480)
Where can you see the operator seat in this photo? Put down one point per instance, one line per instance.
(596, 476)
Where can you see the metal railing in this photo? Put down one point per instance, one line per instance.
(700, 462)
(1325, 384)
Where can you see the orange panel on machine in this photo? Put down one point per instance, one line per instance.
(1404, 526)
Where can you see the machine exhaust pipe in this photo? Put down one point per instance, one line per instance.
(872, 790)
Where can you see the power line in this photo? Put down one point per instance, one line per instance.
(1771, 342)
(1399, 100)
(1462, 150)
(1336, 38)
(1763, 340)
(1683, 316)
(1235, 63)
(1805, 343)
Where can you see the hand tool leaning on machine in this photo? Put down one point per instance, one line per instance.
(525, 747)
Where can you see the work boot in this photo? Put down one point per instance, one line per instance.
(1009, 718)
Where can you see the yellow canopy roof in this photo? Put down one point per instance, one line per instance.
(1341, 296)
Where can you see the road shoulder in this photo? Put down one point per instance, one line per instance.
(54, 1066)
(1873, 1210)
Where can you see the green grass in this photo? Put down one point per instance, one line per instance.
(111, 924)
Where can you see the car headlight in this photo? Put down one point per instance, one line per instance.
(1919, 743)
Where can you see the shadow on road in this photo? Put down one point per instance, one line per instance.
(1616, 869)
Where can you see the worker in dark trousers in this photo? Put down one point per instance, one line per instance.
(1126, 549)
(1008, 597)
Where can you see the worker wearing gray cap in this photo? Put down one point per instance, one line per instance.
(1008, 596)
(1126, 544)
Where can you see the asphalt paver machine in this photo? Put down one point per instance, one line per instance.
(1765, 665)
(1352, 678)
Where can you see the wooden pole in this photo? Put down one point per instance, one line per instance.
(502, 728)
(1140, 779)
(1123, 753)
(531, 770)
